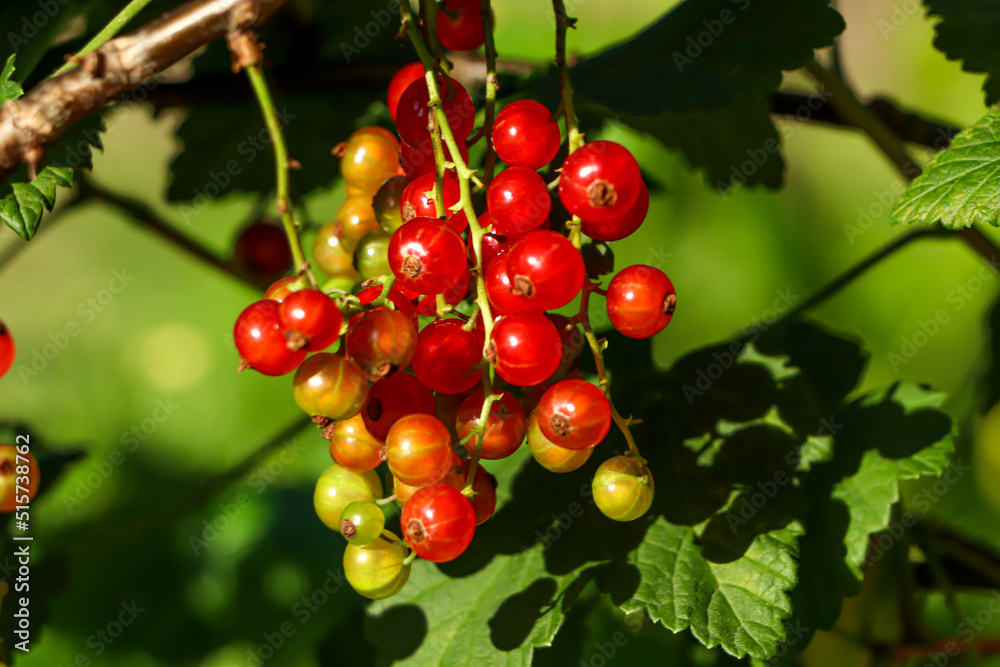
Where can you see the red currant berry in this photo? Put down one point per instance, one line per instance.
(418, 201)
(427, 256)
(600, 181)
(7, 349)
(438, 523)
(525, 135)
(381, 342)
(413, 110)
(338, 487)
(353, 447)
(370, 156)
(525, 348)
(331, 386)
(641, 301)
(484, 502)
(377, 570)
(623, 488)
(263, 249)
(453, 296)
(574, 414)
(551, 456)
(17, 469)
(447, 355)
(418, 160)
(505, 425)
(356, 217)
(499, 290)
(418, 449)
(459, 27)
(391, 399)
(310, 319)
(398, 298)
(406, 75)
(403, 491)
(518, 201)
(545, 268)
(619, 228)
(260, 340)
(282, 287)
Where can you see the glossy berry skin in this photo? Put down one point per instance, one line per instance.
(331, 386)
(8, 350)
(313, 316)
(438, 523)
(261, 341)
(551, 456)
(418, 201)
(403, 491)
(371, 256)
(505, 426)
(525, 348)
(623, 488)
(446, 356)
(499, 289)
(412, 112)
(459, 27)
(282, 287)
(353, 447)
(640, 301)
(356, 217)
(398, 299)
(387, 201)
(376, 570)
(13, 473)
(525, 136)
(338, 487)
(400, 81)
(427, 256)
(418, 449)
(331, 254)
(484, 502)
(381, 342)
(418, 159)
(574, 414)
(518, 201)
(362, 522)
(370, 157)
(600, 181)
(392, 398)
(623, 226)
(545, 268)
(263, 249)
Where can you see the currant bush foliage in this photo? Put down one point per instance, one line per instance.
(966, 32)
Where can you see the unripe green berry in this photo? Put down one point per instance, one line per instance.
(376, 570)
(338, 487)
(623, 488)
(362, 522)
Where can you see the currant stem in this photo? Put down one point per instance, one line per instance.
(263, 94)
(563, 22)
(110, 30)
(597, 349)
(386, 501)
(428, 11)
(387, 536)
(486, 14)
(410, 558)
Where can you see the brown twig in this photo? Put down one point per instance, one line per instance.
(32, 123)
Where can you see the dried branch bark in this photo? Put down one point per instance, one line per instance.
(32, 123)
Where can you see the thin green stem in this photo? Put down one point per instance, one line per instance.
(109, 31)
(428, 11)
(386, 501)
(486, 14)
(281, 163)
(563, 23)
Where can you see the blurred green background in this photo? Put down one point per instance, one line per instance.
(109, 539)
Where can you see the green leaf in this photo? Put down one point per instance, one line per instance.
(705, 52)
(737, 144)
(967, 32)
(959, 186)
(9, 89)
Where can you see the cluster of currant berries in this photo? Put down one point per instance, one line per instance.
(17, 468)
(402, 386)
